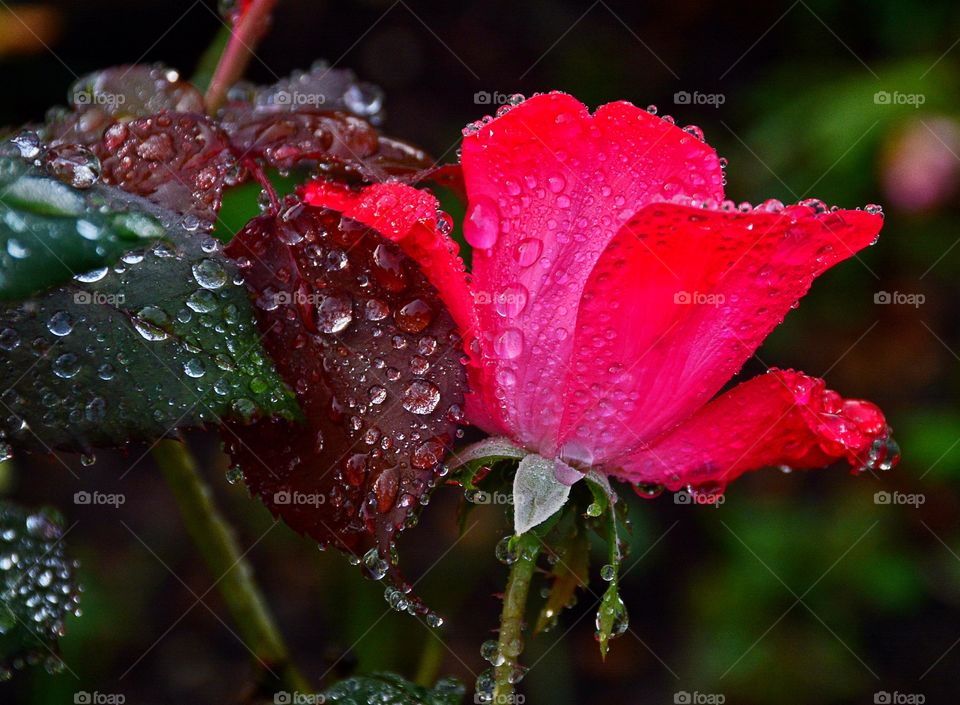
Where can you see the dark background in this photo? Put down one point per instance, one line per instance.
(800, 588)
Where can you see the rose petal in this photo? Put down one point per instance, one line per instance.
(549, 185)
(780, 418)
(408, 216)
(678, 302)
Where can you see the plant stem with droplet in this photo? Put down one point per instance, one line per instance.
(214, 538)
(244, 36)
(510, 640)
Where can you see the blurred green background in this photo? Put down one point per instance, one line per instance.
(801, 588)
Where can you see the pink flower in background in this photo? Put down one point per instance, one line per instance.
(921, 169)
(614, 292)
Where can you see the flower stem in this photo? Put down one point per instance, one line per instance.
(214, 539)
(510, 641)
(431, 658)
(250, 26)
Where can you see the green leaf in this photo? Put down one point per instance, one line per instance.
(390, 689)
(37, 588)
(537, 493)
(612, 618)
(163, 340)
(467, 462)
(50, 232)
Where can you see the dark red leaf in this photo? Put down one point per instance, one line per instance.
(178, 160)
(284, 139)
(119, 93)
(323, 116)
(320, 88)
(356, 329)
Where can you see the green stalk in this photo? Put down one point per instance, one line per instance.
(510, 641)
(214, 539)
(431, 658)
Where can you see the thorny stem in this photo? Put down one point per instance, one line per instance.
(248, 30)
(510, 640)
(214, 539)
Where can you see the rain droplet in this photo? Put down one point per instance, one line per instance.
(334, 313)
(73, 165)
(209, 274)
(482, 223)
(421, 397)
(509, 344)
(60, 324)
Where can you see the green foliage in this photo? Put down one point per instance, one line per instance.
(50, 232)
(163, 340)
(37, 588)
(390, 689)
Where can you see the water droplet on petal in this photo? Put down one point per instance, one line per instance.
(482, 223)
(509, 344)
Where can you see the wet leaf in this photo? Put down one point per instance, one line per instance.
(286, 139)
(322, 87)
(177, 160)
(50, 231)
(119, 93)
(612, 618)
(489, 450)
(603, 495)
(164, 339)
(358, 331)
(538, 492)
(323, 117)
(390, 689)
(468, 463)
(37, 588)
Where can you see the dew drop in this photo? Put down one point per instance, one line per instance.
(60, 324)
(209, 274)
(421, 397)
(528, 251)
(334, 313)
(509, 344)
(73, 165)
(482, 223)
